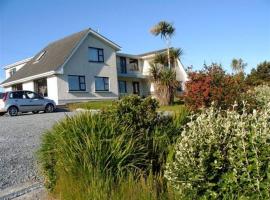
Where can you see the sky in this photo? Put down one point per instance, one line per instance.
(207, 30)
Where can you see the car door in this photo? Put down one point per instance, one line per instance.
(19, 99)
(36, 101)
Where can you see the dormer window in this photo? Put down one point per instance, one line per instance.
(40, 56)
(12, 71)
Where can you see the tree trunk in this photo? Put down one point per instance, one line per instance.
(168, 51)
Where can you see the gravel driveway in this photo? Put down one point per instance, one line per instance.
(19, 140)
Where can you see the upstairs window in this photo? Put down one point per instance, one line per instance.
(101, 83)
(96, 54)
(134, 65)
(12, 71)
(123, 65)
(76, 83)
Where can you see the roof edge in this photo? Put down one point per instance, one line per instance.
(18, 63)
(116, 46)
(29, 78)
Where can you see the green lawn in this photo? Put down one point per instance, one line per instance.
(104, 104)
(90, 105)
(175, 108)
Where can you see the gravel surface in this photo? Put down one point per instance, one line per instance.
(19, 140)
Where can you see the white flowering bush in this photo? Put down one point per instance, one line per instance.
(262, 94)
(223, 155)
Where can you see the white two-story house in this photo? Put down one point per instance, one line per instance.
(84, 66)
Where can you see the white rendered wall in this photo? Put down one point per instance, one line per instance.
(52, 88)
(7, 89)
(28, 86)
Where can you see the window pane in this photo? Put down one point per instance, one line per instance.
(99, 83)
(82, 85)
(73, 83)
(82, 79)
(101, 58)
(32, 95)
(93, 54)
(122, 87)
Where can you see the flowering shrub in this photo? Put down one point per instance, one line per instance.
(262, 95)
(223, 155)
(212, 84)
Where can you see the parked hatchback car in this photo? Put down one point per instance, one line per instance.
(14, 102)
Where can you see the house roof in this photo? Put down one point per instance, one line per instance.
(53, 56)
(152, 52)
(18, 63)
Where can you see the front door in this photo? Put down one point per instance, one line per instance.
(136, 87)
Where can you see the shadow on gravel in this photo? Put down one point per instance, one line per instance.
(57, 110)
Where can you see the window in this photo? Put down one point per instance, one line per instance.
(179, 87)
(136, 87)
(101, 83)
(32, 95)
(96, 55)
(134, 66)
(16, 87)
(76, 83)
(39, 57)
(122, 86)
(17, 95)
(40, 87)
(12, 71)
(123, 65)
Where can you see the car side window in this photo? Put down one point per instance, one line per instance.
(17, 95)
(32, 95)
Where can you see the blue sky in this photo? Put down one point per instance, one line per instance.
(207, 30)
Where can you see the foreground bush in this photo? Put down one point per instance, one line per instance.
(223, 155)
(100, 154)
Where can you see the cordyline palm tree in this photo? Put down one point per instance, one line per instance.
(164, 78)
(238, 65)
(162, 58)
(166, 31)
(175, 54)
(165, 83)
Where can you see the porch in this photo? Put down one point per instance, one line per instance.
(128, 85)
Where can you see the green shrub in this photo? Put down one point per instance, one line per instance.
(101, 153)
(261, 94)
(223, 155)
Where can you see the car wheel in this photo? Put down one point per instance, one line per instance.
(49, 108)
(35, 112)
(13, 111)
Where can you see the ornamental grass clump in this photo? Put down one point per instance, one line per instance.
(223, 155)
(95, 156)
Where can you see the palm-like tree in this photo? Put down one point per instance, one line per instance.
(166, 31)
(165, 82)
(238, 65)
(175, 54)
